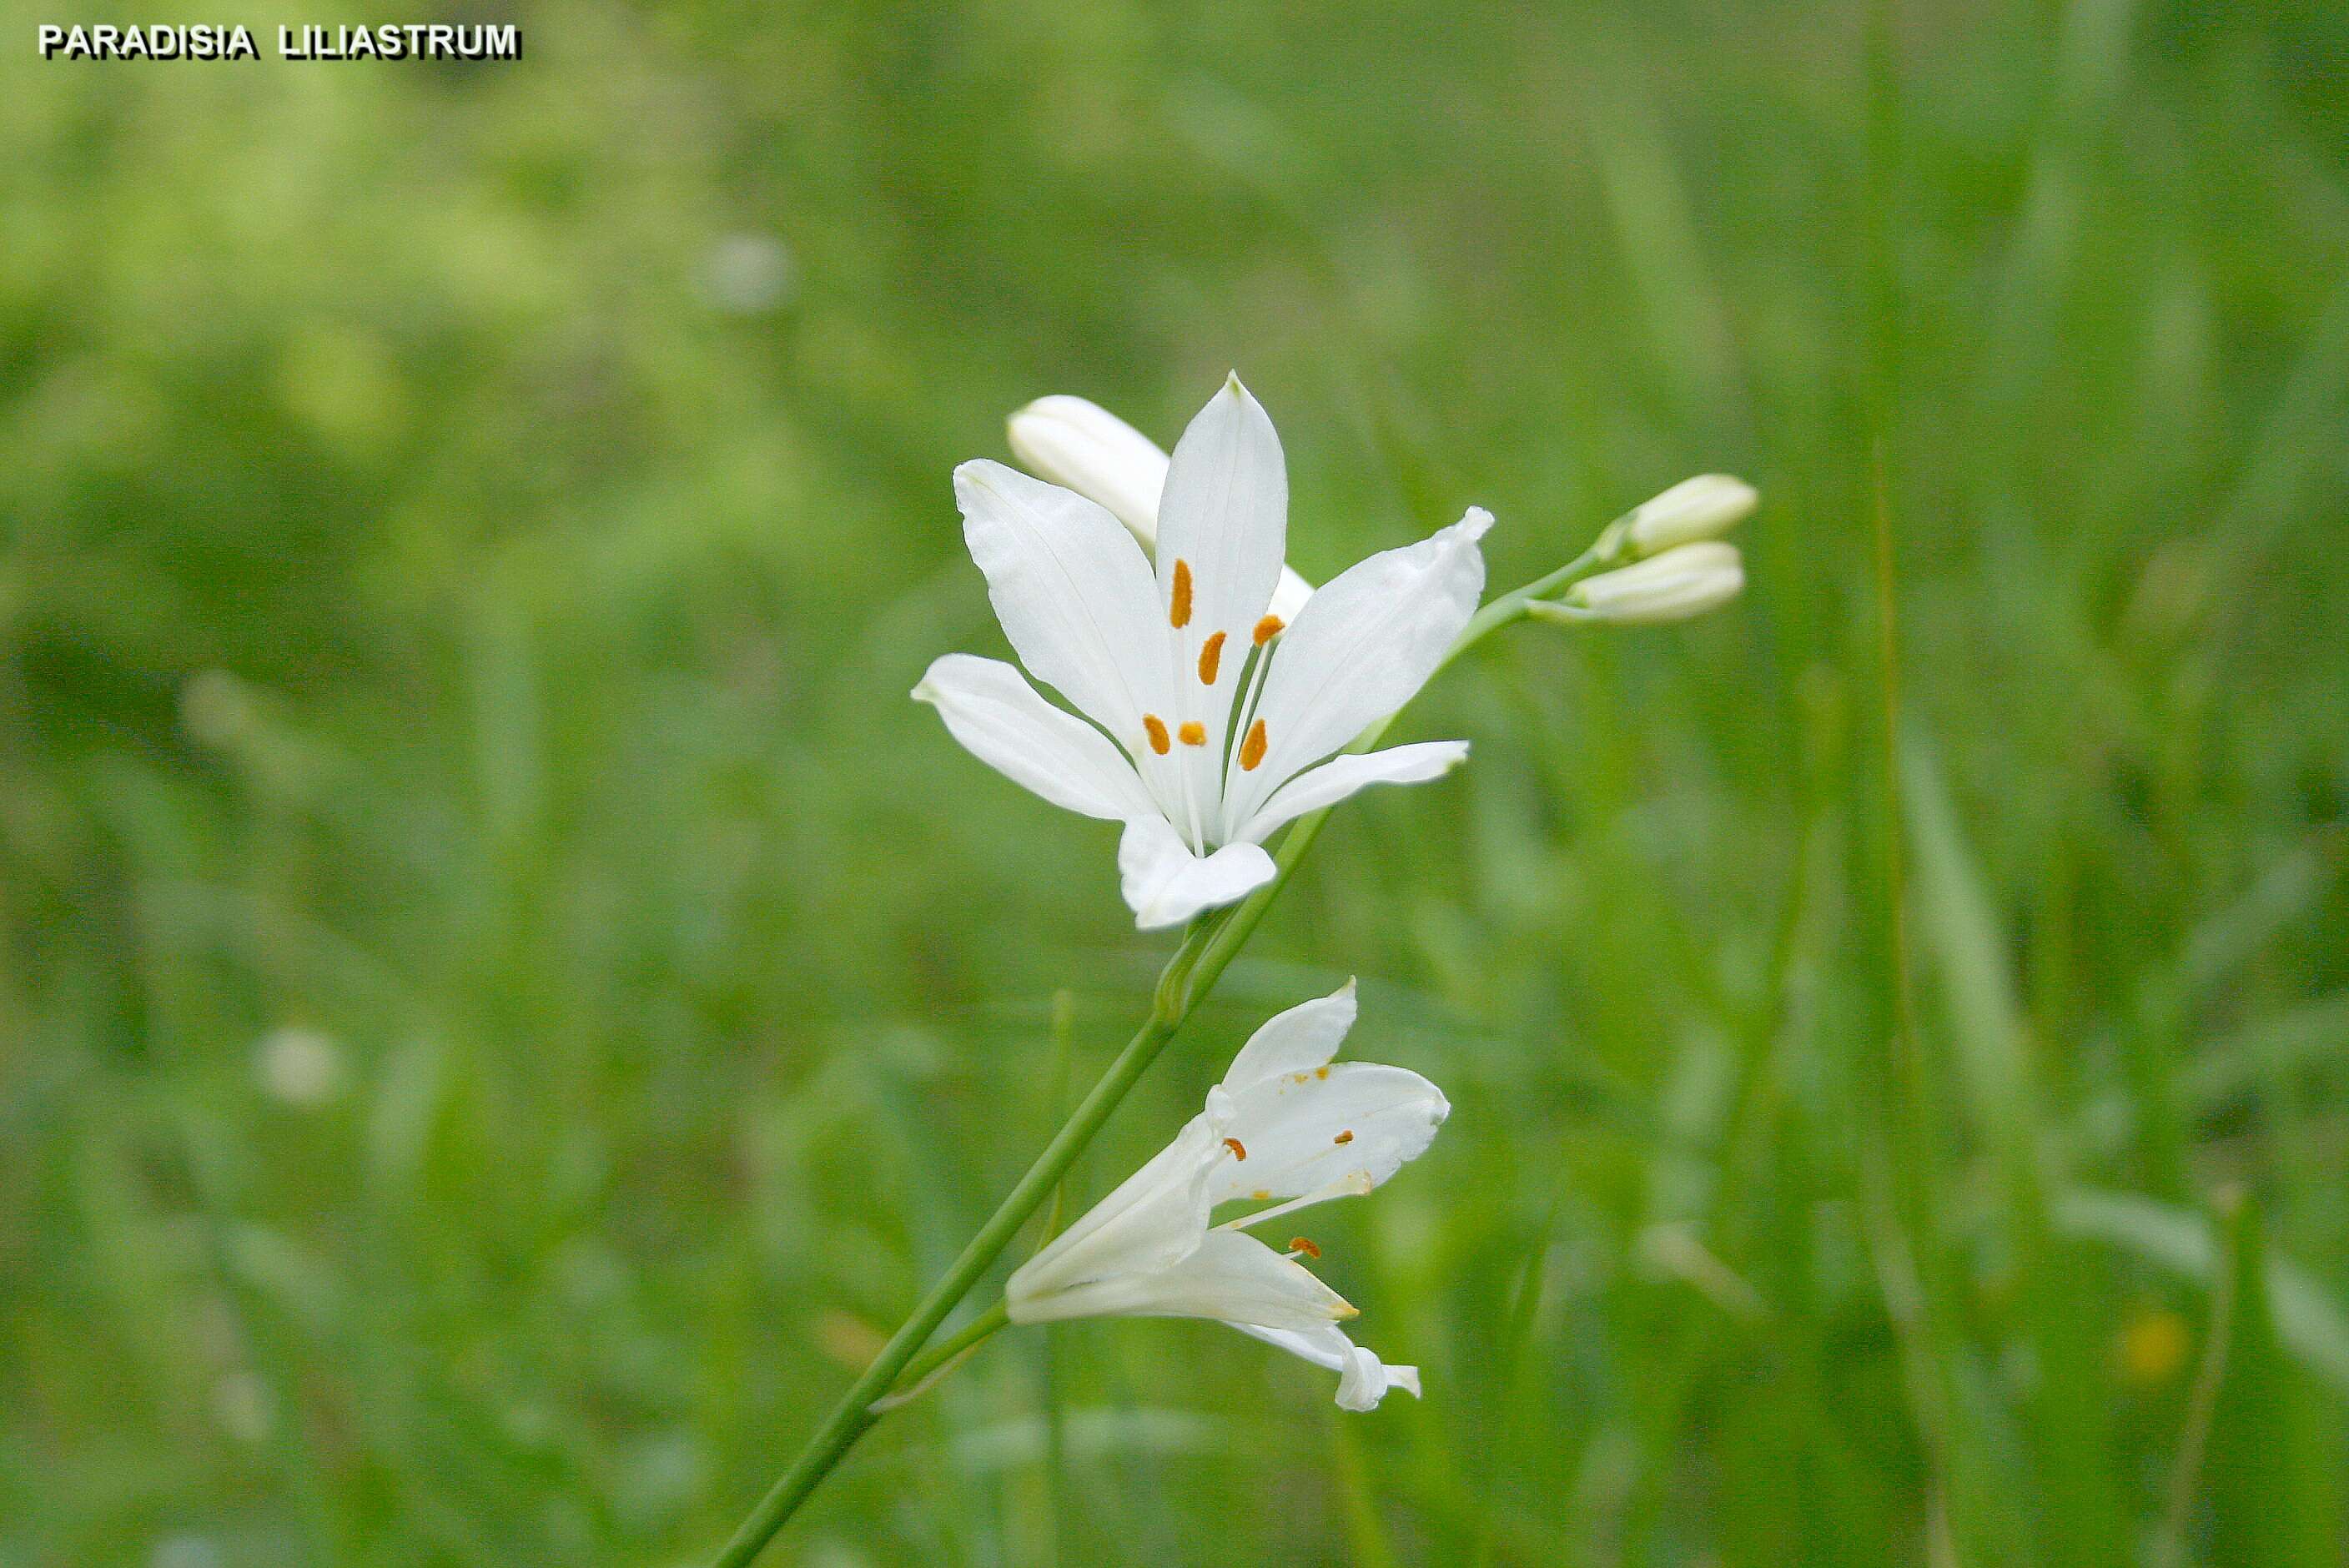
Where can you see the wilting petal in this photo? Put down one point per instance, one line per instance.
(1361, 648)
(1165, 884)
(1151, 1222)
(1074, 596)
(990, 708)
(1232, 1276)
(1297, 1041)
(1363, 1378)
(1341, 776)
(1327, 1132)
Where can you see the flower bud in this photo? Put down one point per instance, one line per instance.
(1705, 507)
(1681, 583)
(1084, 446)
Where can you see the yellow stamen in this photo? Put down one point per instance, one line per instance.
(1156, 727)
(1179, 611)
(1320, 1072)
(1304, 1244)
(1210, 656)
(1259, 1195)
(1252, 748)
(1193, 733)
(1239, 1150)
(1267, 629)
(1345, 1136)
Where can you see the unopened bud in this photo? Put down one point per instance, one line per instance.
(1679, 584)
(1705, 507)
(1082, 447)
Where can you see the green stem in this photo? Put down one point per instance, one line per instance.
(967, 1338)
(1211, 943)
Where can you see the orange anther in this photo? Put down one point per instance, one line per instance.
(1267, 629)
(1239, 1150)
(1193, 733)
(1156, 727)
(1304, 1244)
(1252, 748)
(1179, 613)
(1345, 1136)
(1211, 655)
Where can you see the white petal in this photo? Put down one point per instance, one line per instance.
(991, 707)
(1366, 1381)
(1363, 1380)
(1152, 1221)
(1232, 1277)
(1297, 1041)
(1165, 884)
(1074, 596)
(1081, 445)
(1339, 777)
(1222, 528)
(1226, 514)
(1308, 1132)
(1288, 595)
(1361, 647)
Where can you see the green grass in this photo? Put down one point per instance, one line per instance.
(468, 537)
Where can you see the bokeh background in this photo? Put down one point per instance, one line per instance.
(505, 1001)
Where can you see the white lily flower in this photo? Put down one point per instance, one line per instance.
(1079, 445)
(1284, 1124)
(1684, 581)
(1208, 710)
(1705, 507)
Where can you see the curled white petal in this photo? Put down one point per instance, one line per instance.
(1363, 1380)
(1165, 883)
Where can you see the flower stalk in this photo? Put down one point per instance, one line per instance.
(1209, 945)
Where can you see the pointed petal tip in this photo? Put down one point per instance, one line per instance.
(1476, 523)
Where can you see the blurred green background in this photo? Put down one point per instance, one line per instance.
(505, 1001)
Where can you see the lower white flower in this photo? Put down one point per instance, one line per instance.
(1285, 1127)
